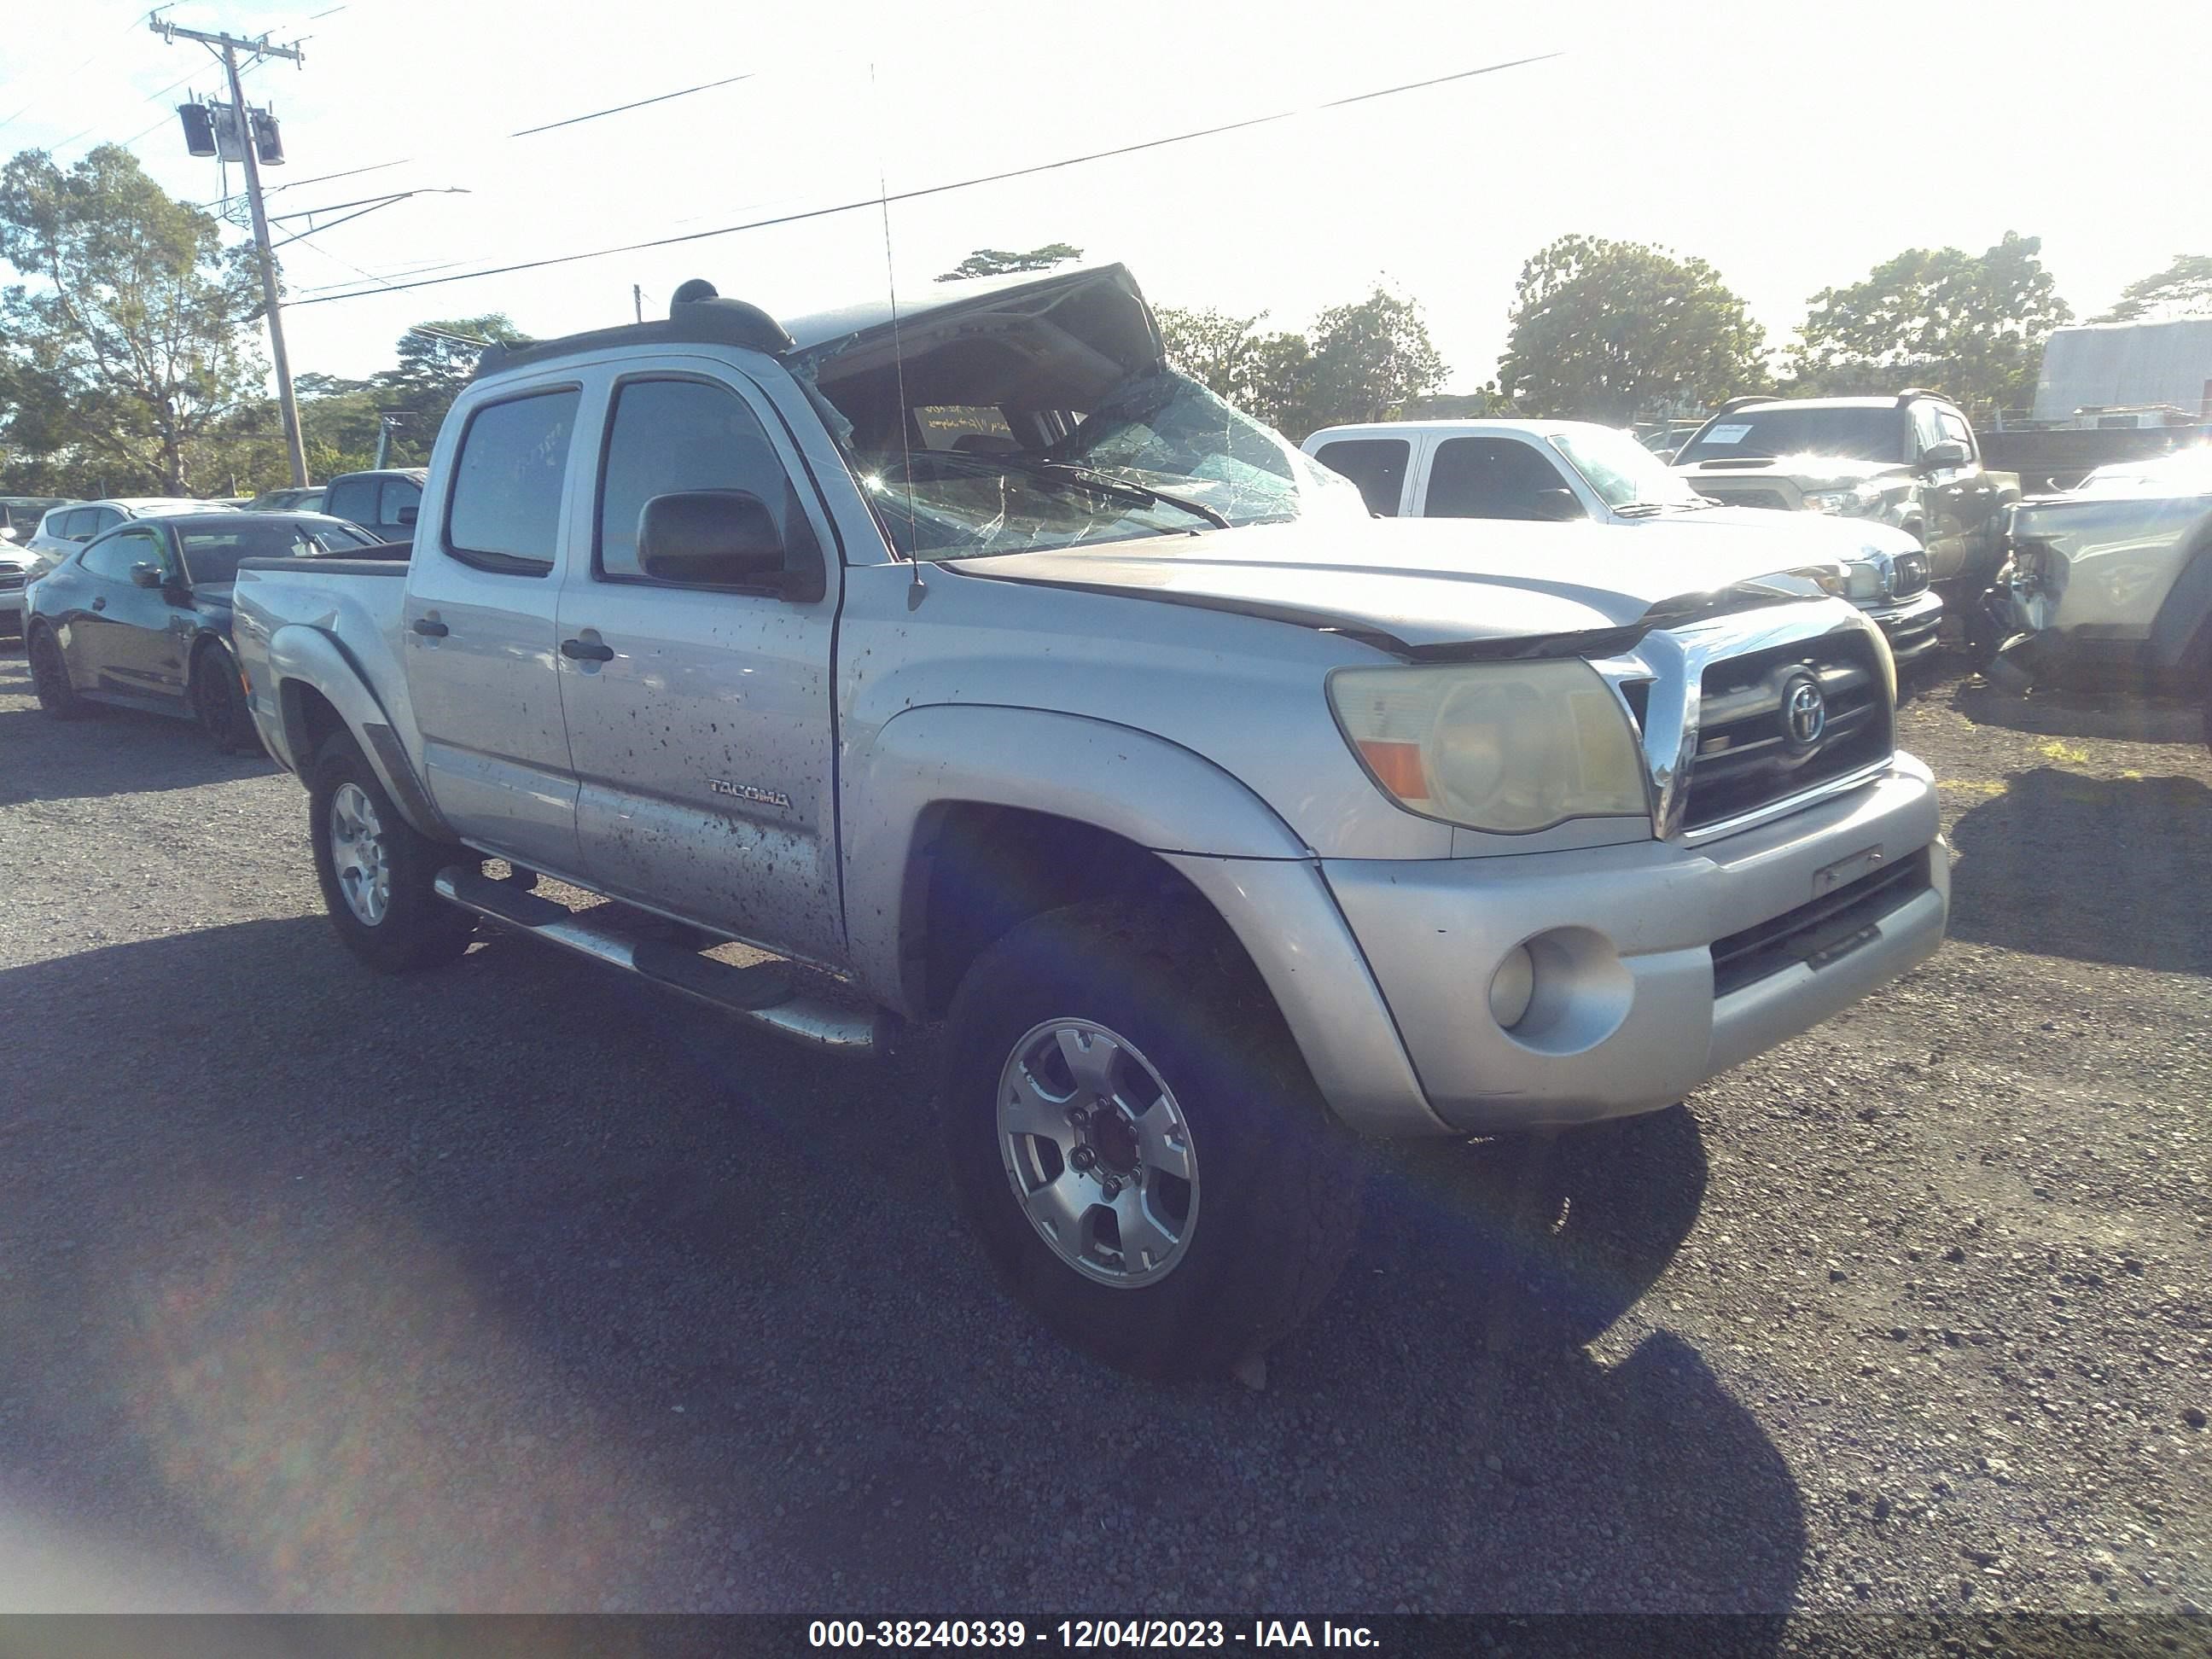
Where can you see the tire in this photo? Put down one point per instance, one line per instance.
(1247, 1240)
(49, 677)
(219, 701)
(376, 869)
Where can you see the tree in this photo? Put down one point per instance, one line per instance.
(1609, 331)
(1282, 383)
(1369, 358)
(2184, 289)
(1970, 326)
(1213, 348)
(435, 360)
(126, 348)
(997, 262)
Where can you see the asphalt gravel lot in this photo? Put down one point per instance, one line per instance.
(517, 1287)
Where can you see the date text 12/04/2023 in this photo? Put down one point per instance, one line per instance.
(1086, 1633)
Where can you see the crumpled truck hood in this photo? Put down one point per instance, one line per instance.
(1434, 586)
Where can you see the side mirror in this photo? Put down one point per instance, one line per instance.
(711, 539)
(1949, 453)
(407, 517)
(1558, 506)
(146, 575)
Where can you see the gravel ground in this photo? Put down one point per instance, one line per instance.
(515, 1285)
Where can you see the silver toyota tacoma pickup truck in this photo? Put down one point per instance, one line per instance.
(983, 670)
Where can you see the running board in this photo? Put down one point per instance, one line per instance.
(761, 995)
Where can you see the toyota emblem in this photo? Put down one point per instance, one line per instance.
(1804, 712)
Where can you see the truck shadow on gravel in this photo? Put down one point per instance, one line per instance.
(515, 1285)
(2039, 870)
(2104, 716)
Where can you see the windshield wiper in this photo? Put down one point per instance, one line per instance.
(1108, 484)
(1645, 509)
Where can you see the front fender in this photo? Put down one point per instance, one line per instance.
(2181, 632)
(1259, 877)
(302, 658)
(1149, 791)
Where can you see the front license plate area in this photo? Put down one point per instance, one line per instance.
(1845, 871)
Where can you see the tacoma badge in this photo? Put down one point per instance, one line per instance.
(749, 791)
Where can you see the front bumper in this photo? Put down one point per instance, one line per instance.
(1911, 626)
(1625, 1017)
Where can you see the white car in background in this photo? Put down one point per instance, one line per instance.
(1579, 472)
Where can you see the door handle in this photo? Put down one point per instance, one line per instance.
(99, 604)
(577, 650)
(428, 630)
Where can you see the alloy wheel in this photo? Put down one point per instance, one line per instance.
(358, 854)
(1098, 1153)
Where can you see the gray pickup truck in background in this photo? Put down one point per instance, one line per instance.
(1912, 460)
(985, 670)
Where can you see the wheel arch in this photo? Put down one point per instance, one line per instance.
(203, 638)
(959, 819)
(977, 869)
(2181, 632)
(319, 690)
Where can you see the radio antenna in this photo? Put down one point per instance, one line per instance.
(916, 591)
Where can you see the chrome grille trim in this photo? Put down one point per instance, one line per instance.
(1661, 686)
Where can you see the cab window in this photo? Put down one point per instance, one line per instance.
(669, 436)
(503, 512)
(1377, 465)
(1489, 478)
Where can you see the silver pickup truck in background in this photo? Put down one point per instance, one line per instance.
(985, 670)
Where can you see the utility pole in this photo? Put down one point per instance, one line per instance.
(637, 301)
(228, 48)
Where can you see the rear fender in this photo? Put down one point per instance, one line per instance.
(304, 662)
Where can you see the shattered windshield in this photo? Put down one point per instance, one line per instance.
(1184, 461)
(1050, 425)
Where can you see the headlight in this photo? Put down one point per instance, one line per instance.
(1858, 499)
(1505, 747)
(1865, 581)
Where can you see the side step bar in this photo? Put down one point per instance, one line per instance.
(762, 995)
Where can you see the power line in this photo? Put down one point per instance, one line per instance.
(885, 200)
(662, 98)
(65, 79)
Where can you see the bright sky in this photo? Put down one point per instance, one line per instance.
(1793, 145)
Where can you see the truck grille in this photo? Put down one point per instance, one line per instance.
(1818, 932)
(1730, 496)
(1763, 734)
(1908, 575)
(10, 581)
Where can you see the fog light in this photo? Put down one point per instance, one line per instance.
(1511, 986)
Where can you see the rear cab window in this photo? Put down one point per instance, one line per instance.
(1377, 465)
(503, 505)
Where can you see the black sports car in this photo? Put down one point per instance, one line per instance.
(140, 616)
